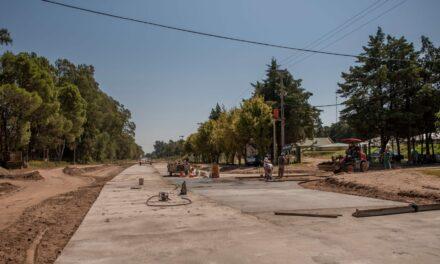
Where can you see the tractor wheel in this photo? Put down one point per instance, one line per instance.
(337, 167)
(364, 166)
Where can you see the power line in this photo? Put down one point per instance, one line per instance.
(333, 32)
(349, 33)
(320, 106)
(329, 105)
(339, 28)
(344, 26)
(194, 32)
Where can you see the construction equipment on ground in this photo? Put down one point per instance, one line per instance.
(175, 167)
(354, 160)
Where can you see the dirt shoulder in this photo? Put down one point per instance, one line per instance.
(42, 230)
(405, 185)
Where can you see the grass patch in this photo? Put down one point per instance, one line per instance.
(39, 164)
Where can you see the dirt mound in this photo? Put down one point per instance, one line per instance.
(47, 227)
(33, 175)
(3, 171)
(71, 170)
(6, 187)
(333, 184)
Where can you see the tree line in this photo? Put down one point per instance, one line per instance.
(227, 132)
(393, 91)
(58, 111)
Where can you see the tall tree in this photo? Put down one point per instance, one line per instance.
(366, 89)
(300, 116)
(255, 123)
(5, 37)
(73, 108)
(16, 108)
(216, 112)
(35, 74)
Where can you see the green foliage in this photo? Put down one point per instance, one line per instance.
(71, 111)
(16, 108)
(5, 37)
(216, 111)
(73, 108)
(170, 149)
(337, 131)
(300, 116)
(254, 123)
(396, 95)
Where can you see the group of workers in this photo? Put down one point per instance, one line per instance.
(268, 167)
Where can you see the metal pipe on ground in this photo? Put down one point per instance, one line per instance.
(306, 214)
(427, 207)
(412, 208)
(384, 211)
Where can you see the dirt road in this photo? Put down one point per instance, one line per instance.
(39, 217)
(121, 228)
(32, 192)
(410, 185)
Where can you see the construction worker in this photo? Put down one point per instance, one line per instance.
(186, 167)
(387, 158)
(281, 163)
(267, 165)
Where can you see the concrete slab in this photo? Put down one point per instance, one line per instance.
(120, 228)
(261, 196)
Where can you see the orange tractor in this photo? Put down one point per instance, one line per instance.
(355, 158)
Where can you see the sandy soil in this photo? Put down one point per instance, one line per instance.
(38, 220)
(406, 185)
(6, 187)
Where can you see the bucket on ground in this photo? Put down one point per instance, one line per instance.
(215, 171)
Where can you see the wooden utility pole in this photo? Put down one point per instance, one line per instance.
(274, 140)
(336, 104)
(283, 123)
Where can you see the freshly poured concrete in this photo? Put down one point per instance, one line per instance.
(120, 228)
(260, 196)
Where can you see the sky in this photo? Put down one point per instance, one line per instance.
(170, 80)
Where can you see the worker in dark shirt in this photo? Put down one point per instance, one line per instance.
(281, 163)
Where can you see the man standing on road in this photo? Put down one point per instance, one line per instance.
(281, 164)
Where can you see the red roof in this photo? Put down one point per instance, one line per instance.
(351, 140)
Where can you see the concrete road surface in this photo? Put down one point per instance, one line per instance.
(121, 228)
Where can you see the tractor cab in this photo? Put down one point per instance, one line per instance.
(354, 160)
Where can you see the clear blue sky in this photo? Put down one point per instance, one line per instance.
(170, 80)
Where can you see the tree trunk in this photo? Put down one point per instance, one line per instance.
(427, 145)
(432, 145)
(74, 154)
(408, 150)
(60, 156)
(421, 144)
(398, 146)
(369, 148)
(413, 140)
(383, 143)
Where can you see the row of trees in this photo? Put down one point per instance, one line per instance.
(393, 90)
(227, 133)
(58, 111)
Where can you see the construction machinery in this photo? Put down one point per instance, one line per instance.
(354, 160)
(175, 167)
